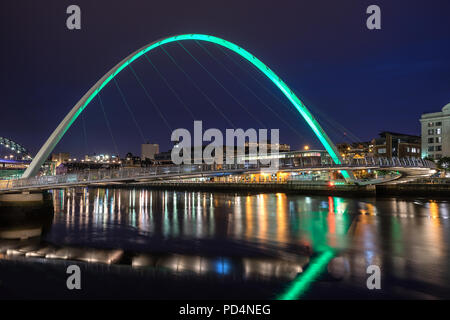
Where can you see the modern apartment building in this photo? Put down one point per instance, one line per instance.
(401, 145)
(149, 150)
(436, 133)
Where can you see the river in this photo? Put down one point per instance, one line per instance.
(171, 244)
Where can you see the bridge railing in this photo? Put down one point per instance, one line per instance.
(121, 173)
(390, 162)
(161, 171)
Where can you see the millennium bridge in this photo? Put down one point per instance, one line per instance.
(407, 167)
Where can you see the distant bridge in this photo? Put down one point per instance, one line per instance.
(14, 147)
(414, 167)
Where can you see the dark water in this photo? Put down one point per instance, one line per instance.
(218, 245)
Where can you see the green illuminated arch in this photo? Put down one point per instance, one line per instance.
(59, 132)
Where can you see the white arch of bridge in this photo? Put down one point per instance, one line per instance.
(65, 124)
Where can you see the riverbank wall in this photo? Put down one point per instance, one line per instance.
(297, 188)
(402, 189)
(414, 189)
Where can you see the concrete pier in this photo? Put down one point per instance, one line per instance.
(24, 198)
(25, 215)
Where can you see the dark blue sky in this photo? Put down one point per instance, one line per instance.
(355, 80)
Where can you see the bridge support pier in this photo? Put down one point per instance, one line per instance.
(21, 199)
(25, 215)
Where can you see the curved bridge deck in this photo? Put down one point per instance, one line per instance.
(410, 167)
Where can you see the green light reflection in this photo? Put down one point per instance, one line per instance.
(320, 230)
(301, 284)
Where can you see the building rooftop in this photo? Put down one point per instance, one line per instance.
(405, 135)
(445, 111)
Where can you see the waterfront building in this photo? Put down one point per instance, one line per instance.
(392, 144)
(131, 161)
(355, 150)
(60, 157)
(99, 158)
(77, 166)
(293, 158)
(12, 168)
(436, 133)
(149, 150)
(297, 158)
(282, 147)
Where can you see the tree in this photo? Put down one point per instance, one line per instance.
(444, 163)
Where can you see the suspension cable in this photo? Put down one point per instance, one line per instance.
(330, 121)
(86, 146)
(242, 83)
(170, 87)
(221, 85)
(129, 110)
(108, 124)
(151, 99)
(334, 124)
(198, 88)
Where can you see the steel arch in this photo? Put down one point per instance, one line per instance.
(65, 124)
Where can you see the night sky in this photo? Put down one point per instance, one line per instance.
(358, 82)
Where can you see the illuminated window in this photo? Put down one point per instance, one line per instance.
(438, 131)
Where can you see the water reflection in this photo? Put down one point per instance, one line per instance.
(259, 235)
(266, 219)
(25, 221)
(244, 268)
